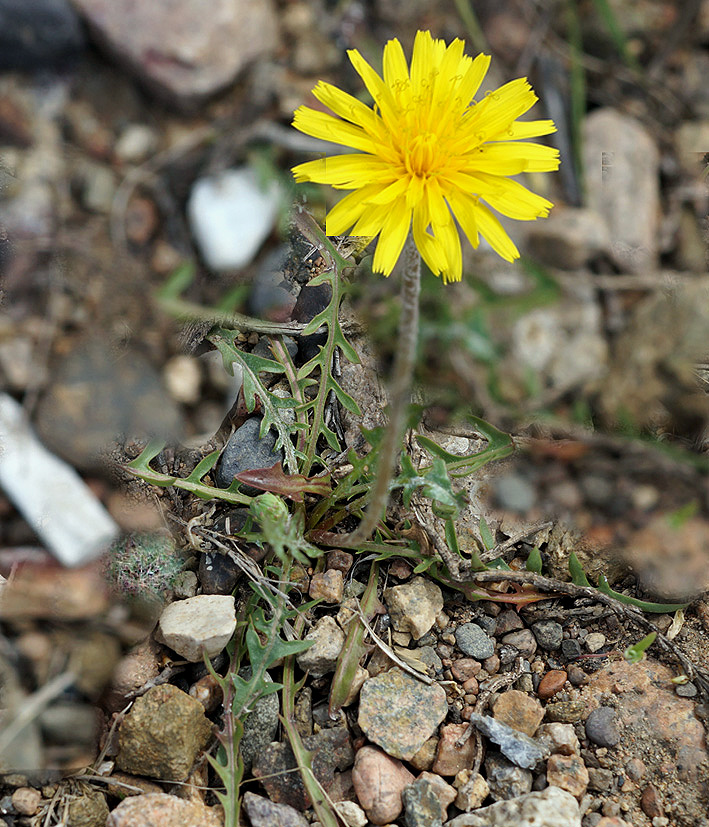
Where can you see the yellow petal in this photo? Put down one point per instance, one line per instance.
(495, 235)
(391, 240)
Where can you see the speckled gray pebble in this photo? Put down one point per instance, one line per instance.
(246, 450)
(422, 805)
(473, 642)
(686, 690)
(602, 727)
(522, 750)
(548, 633)
(570, 649)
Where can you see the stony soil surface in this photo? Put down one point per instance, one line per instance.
(465, 713)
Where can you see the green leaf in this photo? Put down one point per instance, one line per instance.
(644, 605)
(534, 561)
(578, 575)
(486, 535)
(635, 652)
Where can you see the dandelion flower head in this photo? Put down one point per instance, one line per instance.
(428, 155)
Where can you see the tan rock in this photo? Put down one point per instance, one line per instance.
(451, 759)
(414, 606)
(446, 794)
(327, 586)
(519, 711)
(378, 782)
(472, 788)
(560, 738)
(568, 772)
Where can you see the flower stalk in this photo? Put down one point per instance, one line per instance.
(399, 393)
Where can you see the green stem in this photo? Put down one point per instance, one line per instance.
(399, 394)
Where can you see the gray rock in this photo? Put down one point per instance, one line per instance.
(246, 450)
(400, 713)
(272, 296)
(197, 626)
(260, 725)
(312, 299)
(569, 238)
(422, 807)
(686, 690)
(218, 573)
(570, 649)
(413, 606)
(179, 52)
(231, 215)
(264, 813)
(600, 779)
(162, 734)
(38, 34)
(159, 809)
(88, 810)
(95, 397)
(523, 641)
(328, 640)
(548, 633)
(602, 727)
(621, 163)
(522, 750)
(552, 807)
(514, 493)
(473, 642)
(505, 779)
(67, 722)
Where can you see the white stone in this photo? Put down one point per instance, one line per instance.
(595, 641)
(413, 606)
(231, 215)
(135, 143)
(352, 814)
(183, 378)
(328, 640)
(199, 625)
(51, 496)
(552, 807)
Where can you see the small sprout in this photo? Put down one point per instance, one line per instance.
(636, 652)
(680, 680)
(143, 566)
(534, 561)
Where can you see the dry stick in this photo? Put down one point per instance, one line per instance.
(399, 394)
(696, 673)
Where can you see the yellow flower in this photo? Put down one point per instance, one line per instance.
(428, 154)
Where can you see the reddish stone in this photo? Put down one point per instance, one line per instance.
(451, 759)
(650, 802)
(551, 683)
(339, 559)
(465, 668)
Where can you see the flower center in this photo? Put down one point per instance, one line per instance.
(422, 155)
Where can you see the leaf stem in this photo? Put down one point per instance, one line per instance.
(399, 394)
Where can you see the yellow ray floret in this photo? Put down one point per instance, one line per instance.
(429, 158)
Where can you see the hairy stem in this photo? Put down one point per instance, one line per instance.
(399, 393)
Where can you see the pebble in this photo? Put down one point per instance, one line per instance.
(523, 641)
(426, 755)
(260, 725)
(472, 789)
(180, 54)
(231, 215)
(379, 781)
(328, 640)
(686, 690)
(577, 677)
(161, 809)
(569, 238)
(183, 378)
(218, 573)
(327, 586)
(134, 670)
(505, 779)
(162, 734)
(600, 779)
(595, 641)
(90, 808)
(519, 711)
(421, 804)
(560, 738)
(197, 626)
(352, 814)
(246, 450)
(551, 683)
(565, 712)
(622, 184)
(26, 800)
(445, 793)
(264, 813)
(602, 727)
(549, 634)
(507, 621)
(207, 691)
(414, 606)
(518, 747)
(472, 641)
(465, 668)
(399, 712)
(552, 807)
(570, 649)
(271, 295)
(568, 772)
(340, 560)
(135, 143)
(451, 759)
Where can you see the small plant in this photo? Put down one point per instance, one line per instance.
(143, 567)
